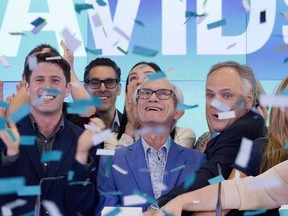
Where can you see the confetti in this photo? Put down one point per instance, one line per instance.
(3, 123)
(254, 212)
(79, 7)
(95, 101)
(183, 107)
(156, 76)
(122, 50)
(101, 3)
(119, 169)
(29, 191)
(51, 207)
(274, 101)
(4, 105)
(189, 181)
(96, 20)
(32, 62)
(11, 185)
(51, 91)
(263, 16)
(71, 42)
(216, 180)
(122, 33)
(101, 137)
(199, 20)
(94, 51)
(48, 156)
(177, 168)
(17, 33)
(134, 199)
(20, 113)
(11, 135)
(4, 61)
(38, 24)
(216, 24)
(138, 22)
(144, 51)
(77, 110)
(105, 152)
(53, 58)
(231, 46)
(70, 175)
(219, 105)
(246, 5)
(7, 208)
(92, 128)
(244, 153)
(226, 115)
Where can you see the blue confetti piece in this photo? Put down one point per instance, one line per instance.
(70, 175)
(216, 24)
(156, 76)
(20, 113)
(4, 105)
(77, 110)
(286, 144)
(192, 14)
(216, 180)
(94, 51)
(11, 185)
(27, 140)
(189, 181)
(3, 123)
(114, 212)
(285, 60)
(283, 212)
(95, 101)
(48, 156)
(29, 191)
(138, 22)
(101, 3)
(166, 213)
(108, 166)
(38, 21)
(79, 7)
(144, 51)
(256, 212)
(177, 168)
(31, 213)
(238, 102)
(52, 91)
(284, 92)
(183, 107)
(11, 135)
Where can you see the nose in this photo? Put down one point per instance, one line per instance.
(141, 80)
(102, 86)
(153, 97)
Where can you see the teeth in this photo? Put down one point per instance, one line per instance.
(103, 98)
(153, 108)
(48, 97)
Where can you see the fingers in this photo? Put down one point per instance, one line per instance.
(97, 122)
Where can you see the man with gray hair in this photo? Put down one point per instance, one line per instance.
(155, 163)
(230, 95)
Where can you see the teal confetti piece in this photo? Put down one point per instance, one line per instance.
(122, 50)
(11, 185)
(286, 145)
(70, 175)
(256, 212)
(94, 51)
(113, 212)
(17, 33)
(156, 76)
(192, 14)
(166, 213)
(77, 110)
(11, 135)
(183, 107)
(52, 91)
(216, 180)
(4, 105)
(48, 156)
(38, 21)
(95, 101)
(283, 212)
(189, 181)
(27, 140)
(79, 7)
(31, 213)
(138, 22)
(108, 166)
(216, 24)
(238, 102)
(144, 51)
(20, 113)
(177, 168)
(101, 3)
(29, 191)
(3, 123)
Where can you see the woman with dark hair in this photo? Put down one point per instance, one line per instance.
(129, 122)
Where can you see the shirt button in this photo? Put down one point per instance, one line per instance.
(45, 141)
(46, 212)
(45, 164)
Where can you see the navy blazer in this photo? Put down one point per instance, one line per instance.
(70, 198)
(132, 159)
(222, 150)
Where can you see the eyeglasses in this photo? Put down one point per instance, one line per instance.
(96, 83)
(162, 94)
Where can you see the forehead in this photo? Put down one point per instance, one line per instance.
(102, 72)
(224, 78)
(142, 69)
(47, 69)
(158, 84)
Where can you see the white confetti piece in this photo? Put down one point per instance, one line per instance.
(119, 169)
(226, 115)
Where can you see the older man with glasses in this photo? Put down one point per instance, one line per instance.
(155, 163)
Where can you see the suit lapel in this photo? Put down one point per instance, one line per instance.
(174, 161)
(135, 158)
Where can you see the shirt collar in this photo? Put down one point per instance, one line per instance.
(146, 146)
(116, 122)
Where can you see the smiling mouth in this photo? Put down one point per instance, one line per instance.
(103, 97)
(48, 97)
(152, 109)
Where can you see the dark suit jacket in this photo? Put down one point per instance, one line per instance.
(222, 149)
(70, 199)
(132, 159)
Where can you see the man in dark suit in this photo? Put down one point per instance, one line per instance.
(155, 159)
(233, 85)
(57, 163)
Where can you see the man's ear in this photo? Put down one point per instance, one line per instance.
(68, 89)
(119, 89)
(27, 86)
(249, 100)
(178, 115)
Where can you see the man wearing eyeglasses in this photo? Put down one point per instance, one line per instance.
(102, 79)
(155, 163)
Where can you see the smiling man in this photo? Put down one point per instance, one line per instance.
(155, 163)
(102, 79)
(233, 85)
(56, 138)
